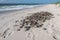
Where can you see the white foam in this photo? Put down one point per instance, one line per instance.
(6, 8)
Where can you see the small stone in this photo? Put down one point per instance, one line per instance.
(36, 23)
(41, 25)
(4, 36)
(45, 28)
(21, 26)
(21, 20)
(44, 20)
(27, 22)
(18, 29)
(54, 37)
(24, 21)
(38, 26)
(27, 28)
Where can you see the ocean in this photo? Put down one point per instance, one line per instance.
(15, 7)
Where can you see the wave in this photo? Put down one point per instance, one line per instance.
(15, 7)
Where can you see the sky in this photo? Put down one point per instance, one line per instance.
(29, 1)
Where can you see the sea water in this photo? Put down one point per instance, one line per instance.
(15, 7)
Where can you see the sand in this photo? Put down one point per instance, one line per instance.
(7, 22)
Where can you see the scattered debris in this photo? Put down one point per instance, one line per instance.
(33, 20)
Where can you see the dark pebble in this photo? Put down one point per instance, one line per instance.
(21, 26)
(44, 20)
(54, 37)
(37, 26)
(4, 36)
(27, 29)
(40, 17)
(21, 20)
(41, 25)
(26, 22)
(45, 28)
(18, 29)
(36, 23)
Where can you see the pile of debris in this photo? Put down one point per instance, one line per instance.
(35, 20)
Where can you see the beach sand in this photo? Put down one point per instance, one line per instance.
(8, 19)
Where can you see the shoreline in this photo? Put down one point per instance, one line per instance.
(20, 9)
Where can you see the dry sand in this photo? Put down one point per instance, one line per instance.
(7, 22)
